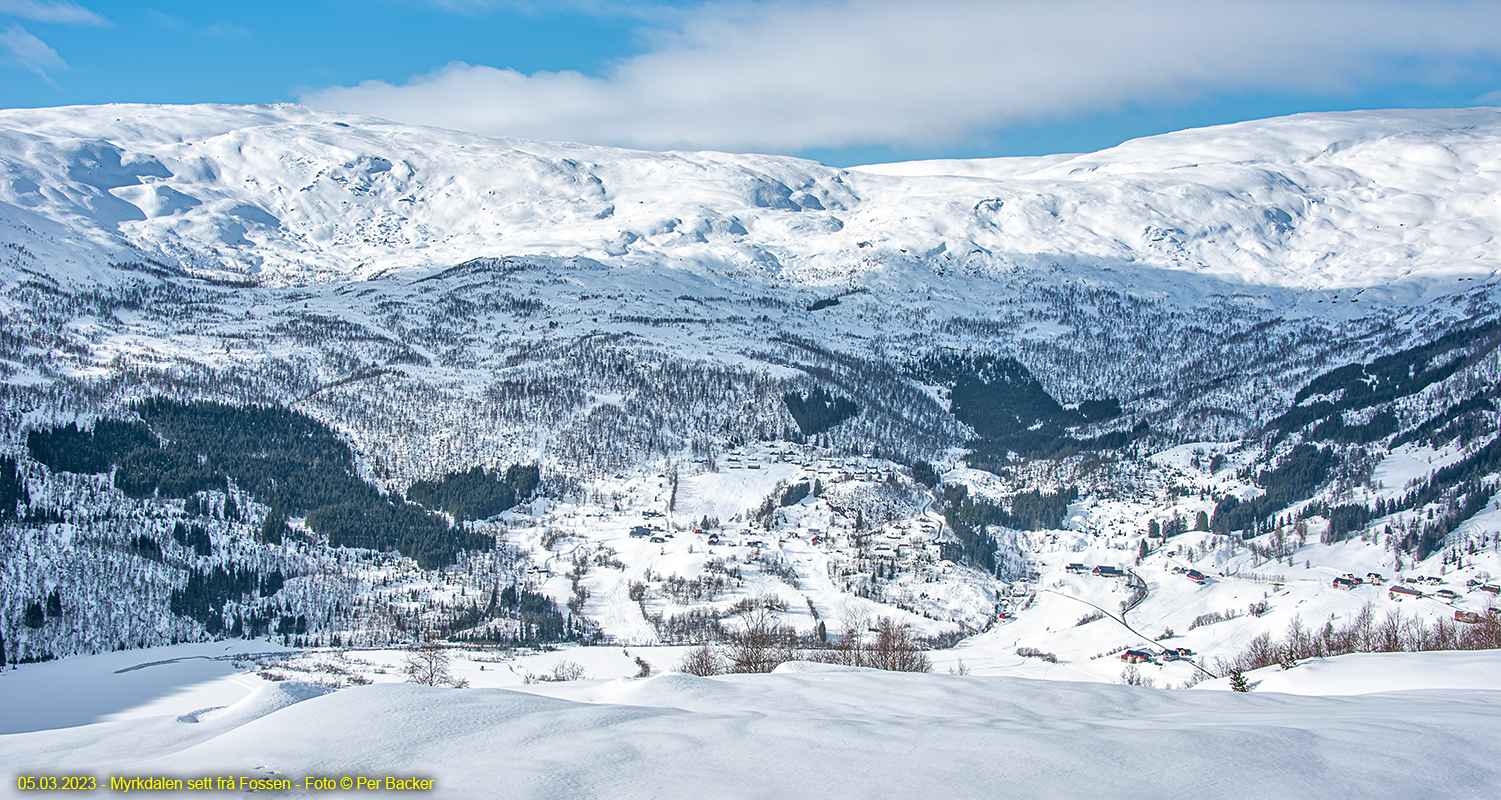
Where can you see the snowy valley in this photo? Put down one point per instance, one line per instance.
(289, 393)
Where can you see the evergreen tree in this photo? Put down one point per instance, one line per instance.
(476, 493)
(146, 547)
(33, 617)
(795, 494)
(819, 411)
(274, 527)
(197, 538)
(12, 488)
(1238, 681)
(923, 473)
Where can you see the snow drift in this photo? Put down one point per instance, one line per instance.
(831, 733)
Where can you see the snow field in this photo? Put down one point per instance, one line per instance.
(305, 195)
(175, 679)
(828, 731)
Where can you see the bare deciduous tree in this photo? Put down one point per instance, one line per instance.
(849, 650)
(1131, 676)
(427, 664)
(703, 661)
(893, 648)
(552, 537)
(561, 671)
(896, 649)
(762, 645)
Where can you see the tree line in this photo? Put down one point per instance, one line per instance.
(1364, 633)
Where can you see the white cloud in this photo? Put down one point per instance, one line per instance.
(794, 75)
(19, 48)
(167, 20)
(218, 30)
(57, 11)
(225, 30)
(633, 8)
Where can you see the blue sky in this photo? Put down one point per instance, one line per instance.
(842, 81)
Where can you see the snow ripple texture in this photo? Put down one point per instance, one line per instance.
(813, 733)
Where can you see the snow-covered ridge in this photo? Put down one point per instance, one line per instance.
(1313, 201)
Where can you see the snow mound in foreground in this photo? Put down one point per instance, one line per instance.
(813, 667)
(831, 734)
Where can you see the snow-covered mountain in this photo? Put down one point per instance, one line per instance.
(1320, 201)
(268, 371)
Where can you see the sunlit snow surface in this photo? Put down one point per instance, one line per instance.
(815, 731)
(1318, 201)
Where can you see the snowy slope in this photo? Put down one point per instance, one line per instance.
(814, 731)
(1327, 201)
(124, 684)
(1372, 673)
